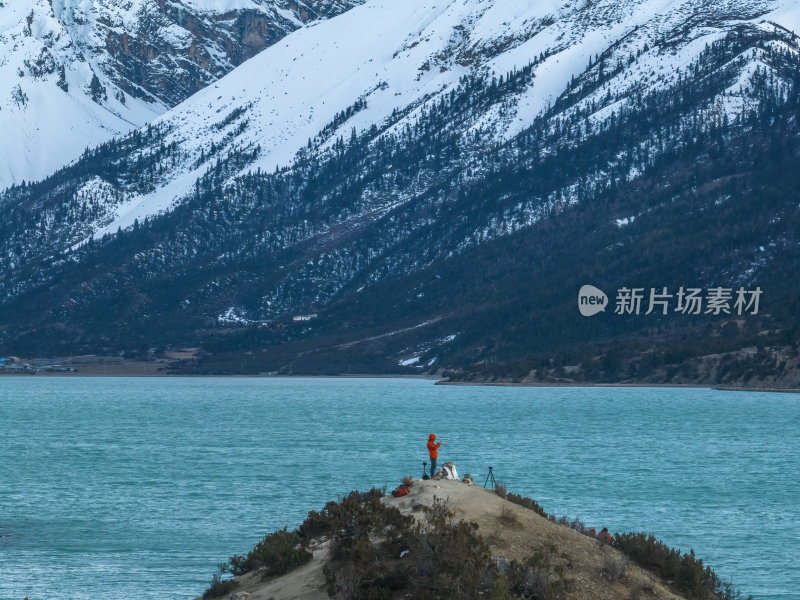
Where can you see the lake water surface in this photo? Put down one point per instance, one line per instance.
(124, 488)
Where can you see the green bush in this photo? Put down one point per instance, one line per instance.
(367, 538)
(349, 516)
(220, 587)
(528, 503)
(685, 571)
(500, 589)
(278, 553)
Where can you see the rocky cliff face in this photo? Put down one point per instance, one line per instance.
(166, 51)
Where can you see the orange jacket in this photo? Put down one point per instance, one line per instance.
(605, 538)
(433, 448)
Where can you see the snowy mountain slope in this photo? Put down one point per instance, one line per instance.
(415, 54)
(52, 104)
(165, 51)
(75, 73)
(459, 125)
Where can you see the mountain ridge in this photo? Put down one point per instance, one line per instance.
(227, 250)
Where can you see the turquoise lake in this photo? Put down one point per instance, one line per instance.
(124, 488)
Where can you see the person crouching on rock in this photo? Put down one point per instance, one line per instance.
(604, 537)
(433, 451)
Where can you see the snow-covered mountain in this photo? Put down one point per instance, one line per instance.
(53, 103)
(413, 54)
(74, 73)
(333, 163)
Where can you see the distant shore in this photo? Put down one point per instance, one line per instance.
(726, 388)
(160, 368)
(147, 371)
(576, 384)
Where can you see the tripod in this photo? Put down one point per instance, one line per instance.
(424, 470)
(490, 476)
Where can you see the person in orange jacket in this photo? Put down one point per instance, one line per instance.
(433, 451)
(604, 537)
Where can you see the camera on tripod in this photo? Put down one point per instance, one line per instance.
(490, 477)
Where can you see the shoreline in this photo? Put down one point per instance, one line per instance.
(159, 374)
(157, 371)
(709, 386)
(705, 386)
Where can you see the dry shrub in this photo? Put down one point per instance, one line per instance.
(642, 590)
(539, 576)
(501, 489)
(346, 580)
(495, 539)
(440, 513)
(508, 517)
(615, 568)
(575, 524)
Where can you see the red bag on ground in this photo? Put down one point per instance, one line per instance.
(401, 491)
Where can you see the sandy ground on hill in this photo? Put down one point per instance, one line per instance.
(585, 558)
(304, 583)
(513, 533)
